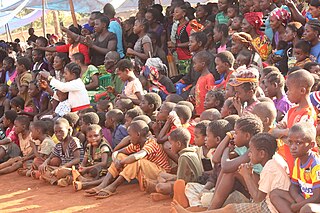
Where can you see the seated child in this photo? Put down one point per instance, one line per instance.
(86, 120)
(104, 106)
(96, 160)
(210, 115)
(214, 99)
(312, 67)
(189, 165)
(114, 120)
(13, 90)
(262, 147)
(301, 52)
(174, 98)
(267, 113)
(73, 119)
(9, 146)
(228, 108)
(132, 86)
(162, 117)
(17, 104)
(245, 128)
(304, 179)
(130, 115)
(39, 132)
(21, 129)
(144, 157)
(67, 153)
(200, 194)
(245, 85)
(64, 106)
(224, 64)
(150, 103)
(123, 104)
(274, 83)
(4, 101)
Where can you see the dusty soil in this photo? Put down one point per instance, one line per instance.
(23, 194)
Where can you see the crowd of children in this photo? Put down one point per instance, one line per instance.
(214, 106)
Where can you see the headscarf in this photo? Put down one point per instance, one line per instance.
(88, 27)
(281, 15)
(255, 20)
(151, 72)
(195, 26)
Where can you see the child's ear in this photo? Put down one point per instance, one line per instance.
(262, 154)
(151, 106)
(248, 136)
(312, 144)
(303, 90)
(275, 84)
(218, 139)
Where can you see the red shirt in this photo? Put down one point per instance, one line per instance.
(80, 48)
(189, 127)
(204, 84)
(183, 53)
(12, 135)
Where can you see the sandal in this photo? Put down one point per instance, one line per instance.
(77, 185)
(91, 192)
(109, 194)
(22, 171)
(35, 174)
(75, 173)
(65, 181)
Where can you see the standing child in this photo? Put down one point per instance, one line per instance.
(132, 86)
(299, 84)
(23, 79)
(205, 83)
(304, 186)
(224, 65)
(274, 83)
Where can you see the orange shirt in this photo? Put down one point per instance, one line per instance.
(204, 84)
(189, 127)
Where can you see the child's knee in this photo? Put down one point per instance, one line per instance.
(274, 194)
(55, 161)
(163, 188)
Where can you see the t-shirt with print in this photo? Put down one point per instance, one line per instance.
(132, 87)
(307, 176)
(67, 155)
(273, 176)
(154, 151)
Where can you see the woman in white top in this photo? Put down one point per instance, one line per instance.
(78, 96)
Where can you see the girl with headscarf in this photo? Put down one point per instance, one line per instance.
(279, 19)
(155, 71)
(251, 24)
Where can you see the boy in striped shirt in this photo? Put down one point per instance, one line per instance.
(143, 156)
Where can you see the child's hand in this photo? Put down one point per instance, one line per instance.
(245, 169)
(118, 165)
(237, 104)
(88, 41)
(295, 207)
(43, 168)
(44, 74)
(110, 89)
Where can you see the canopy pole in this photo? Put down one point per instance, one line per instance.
(43, 19)
(73, 14)
(9, 32)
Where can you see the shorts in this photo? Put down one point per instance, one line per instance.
(12, 150)
(261, 207)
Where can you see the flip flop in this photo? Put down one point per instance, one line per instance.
(35, 174)
(89, 193)
(75, 173)
(109, 194)
(179, 193)
(77, 185)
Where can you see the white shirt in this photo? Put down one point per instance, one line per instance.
(78, 95)
(132, 87)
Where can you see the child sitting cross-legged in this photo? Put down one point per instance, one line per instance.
(123, 104)
(114, 120)
(96, 160)
(262, 147)
(162, 116)
(144, 157)
(21, 129)
(199, 195)
(39, 132)
(232, 152)
(67, 153)
(189, 166)
(304, 186)
(73, 119)
(86, 120)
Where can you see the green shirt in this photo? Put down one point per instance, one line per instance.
(88, 74)
(221, 18)
(189, 165)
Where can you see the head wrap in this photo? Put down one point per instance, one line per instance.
(281, 15)
(255, 20)
(245, 75)
(88, 27)
(151, 72)
(242, 37)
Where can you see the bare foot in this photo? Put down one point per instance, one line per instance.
(93, 190)
(177, 208)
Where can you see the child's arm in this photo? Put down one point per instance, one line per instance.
(246, 171)
(103, 163)
(315, 198)
(5, 141)
(133, 157)
(34, 148)
(84, 162)
(216, 158)
(163, 137)
(75, 161)
(123, 143)
(231, 165)
(43, 167)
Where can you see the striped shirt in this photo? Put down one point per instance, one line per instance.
(68, 155)
(307, 176)
(154, 151)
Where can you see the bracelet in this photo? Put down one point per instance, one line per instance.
(229, 135)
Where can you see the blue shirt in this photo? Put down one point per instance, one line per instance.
(315, 53)
(115, 28)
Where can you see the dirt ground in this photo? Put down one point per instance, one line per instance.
(23, 194)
